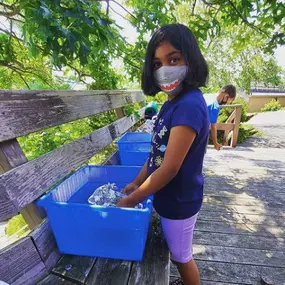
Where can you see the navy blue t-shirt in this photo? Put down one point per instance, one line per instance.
(182, 197)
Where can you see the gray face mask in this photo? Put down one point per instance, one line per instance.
(169, 78)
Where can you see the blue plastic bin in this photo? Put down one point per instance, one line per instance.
(84, 229)
(134, 148)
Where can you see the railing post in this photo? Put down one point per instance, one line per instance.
(120, 113)
(11, 155)
(236, 127)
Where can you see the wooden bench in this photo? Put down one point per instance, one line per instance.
(35, 259)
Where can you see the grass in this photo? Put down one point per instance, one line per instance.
(16, 225)
(245, 131)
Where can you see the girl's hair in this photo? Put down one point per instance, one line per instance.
(180, 37)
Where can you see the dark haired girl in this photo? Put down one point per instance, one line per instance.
(173, 172)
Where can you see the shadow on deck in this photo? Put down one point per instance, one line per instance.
(239, 237)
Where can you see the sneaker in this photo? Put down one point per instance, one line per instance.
(177, 282)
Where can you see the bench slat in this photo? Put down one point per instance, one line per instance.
(24, 112)
(21, 264)
(27, 182)
(55, 280)
(11, 156)
(45, 243)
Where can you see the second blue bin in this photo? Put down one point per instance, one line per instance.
(84, 229)
(134, 148)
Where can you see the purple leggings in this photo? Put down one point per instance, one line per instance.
(179, 236)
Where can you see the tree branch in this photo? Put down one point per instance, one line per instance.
(11, 34)
(193, 7)
(14, 11)
(79, 73)
(119, 14)
(108, 6)
(208, 3)
(245, 20)
(124, 9)
(14, 19)
(21, 76)
(15, 69)
(7, 6)
(129, 62)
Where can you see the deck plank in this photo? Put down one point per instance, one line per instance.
(55, 280)
(243, 229)
(238, 218)
(155, 267)
(110, 272)
(238, 273)
(267, 258)
(239, 241)
(74, 268)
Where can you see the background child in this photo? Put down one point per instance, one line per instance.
(173, 172)
(225, 96)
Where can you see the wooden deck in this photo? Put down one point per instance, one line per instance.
(239, 237)
(154, 269)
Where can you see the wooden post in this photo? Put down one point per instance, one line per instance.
(236, 127)
(120, 113)
(11, 155)
(225, 140)
(227, 132)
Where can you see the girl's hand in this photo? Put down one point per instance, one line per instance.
(130, 188)
(126, 203)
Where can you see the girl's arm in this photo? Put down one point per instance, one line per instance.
(139, 180)
(180, 141)
(142, 176)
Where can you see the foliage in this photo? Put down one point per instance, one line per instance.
(234, 54)
(246, 131)
(16, 225)
(273, 105)
(39, 143)
(260, 71)
(102, 155)
(80, 36)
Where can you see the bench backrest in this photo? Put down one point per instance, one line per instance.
(24, 112)
(23, 181)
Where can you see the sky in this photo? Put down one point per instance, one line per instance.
(280, 56)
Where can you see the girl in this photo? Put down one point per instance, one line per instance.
(173, 173)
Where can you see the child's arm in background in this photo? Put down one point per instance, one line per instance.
(214, 136)
(180, 141)
(139, 180)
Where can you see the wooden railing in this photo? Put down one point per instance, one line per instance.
(23, 181)
(231, 126)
